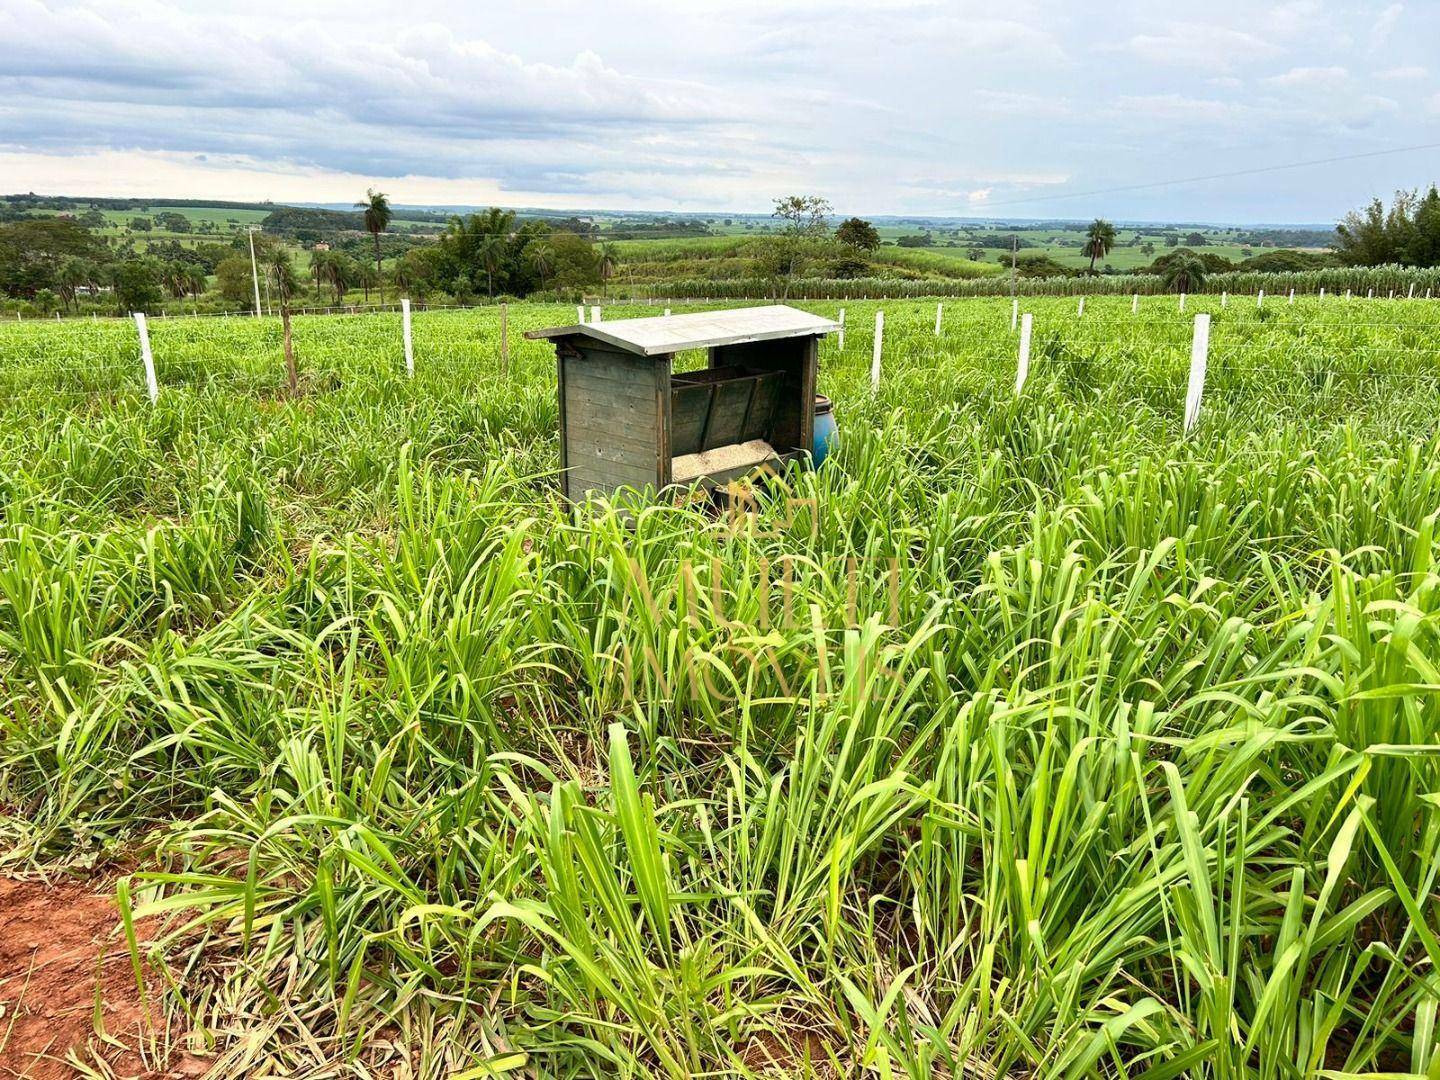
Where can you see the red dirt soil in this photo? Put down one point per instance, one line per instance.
(58, 944)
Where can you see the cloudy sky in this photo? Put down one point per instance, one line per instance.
(1022, 108)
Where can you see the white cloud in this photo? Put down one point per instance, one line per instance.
(1310, 78)
(1384, 26)
(1200, 45)
(1406, 73)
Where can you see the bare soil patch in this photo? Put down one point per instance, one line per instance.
(62, 949)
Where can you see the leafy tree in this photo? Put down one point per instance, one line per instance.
(1184, 273)
(232, 275)
(1196, 239)
(136, 283)
(377, 220)
(858, 233)
(1038, 266)
(32, 251)
(1286, 261)
(1099, 240)
(804, 218)
(1212, 263)
(46, 301)
(576, 262)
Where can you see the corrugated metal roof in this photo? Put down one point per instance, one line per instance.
(662, 334)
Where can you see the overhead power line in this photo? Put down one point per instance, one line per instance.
(1211, 176)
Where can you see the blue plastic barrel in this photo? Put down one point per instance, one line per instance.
(826, 432)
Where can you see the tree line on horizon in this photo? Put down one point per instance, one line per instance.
(52, 262)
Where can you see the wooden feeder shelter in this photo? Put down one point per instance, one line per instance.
(628, 420)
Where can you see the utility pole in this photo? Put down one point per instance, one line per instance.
(254, 272)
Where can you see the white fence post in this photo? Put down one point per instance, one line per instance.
(667, 311)
(1370, 295)
(938, 309)
(594, 313)
(1260, 299)
(1199, 353)
(1182, 301)
(875, 357)
(151, 385)
(842, 329)
(1347, 293)
(1225, 299)
(1014, 314)
(580, 314)
(1080, 308)
(409, 348)
(1322, 292)
(1412, 291)
(1022, 366)
(1135, 303)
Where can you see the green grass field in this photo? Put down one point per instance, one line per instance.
(1027, 737)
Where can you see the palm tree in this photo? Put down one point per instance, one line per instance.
(1099, 239)
(1184, 273)
(491, 252)
(196, 280)
(541, 254)
(281, 273)
(377, 220)
(73, 273)
(609, 261)
(367, 280)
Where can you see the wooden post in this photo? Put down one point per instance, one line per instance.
(405, 332)
(505, 339)
(152, 386)
(1022, 367)
(291, 375)
(1199, 352)
(875, 356)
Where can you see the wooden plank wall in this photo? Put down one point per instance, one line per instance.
(611, 410)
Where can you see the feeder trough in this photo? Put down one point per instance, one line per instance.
(628, 420)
